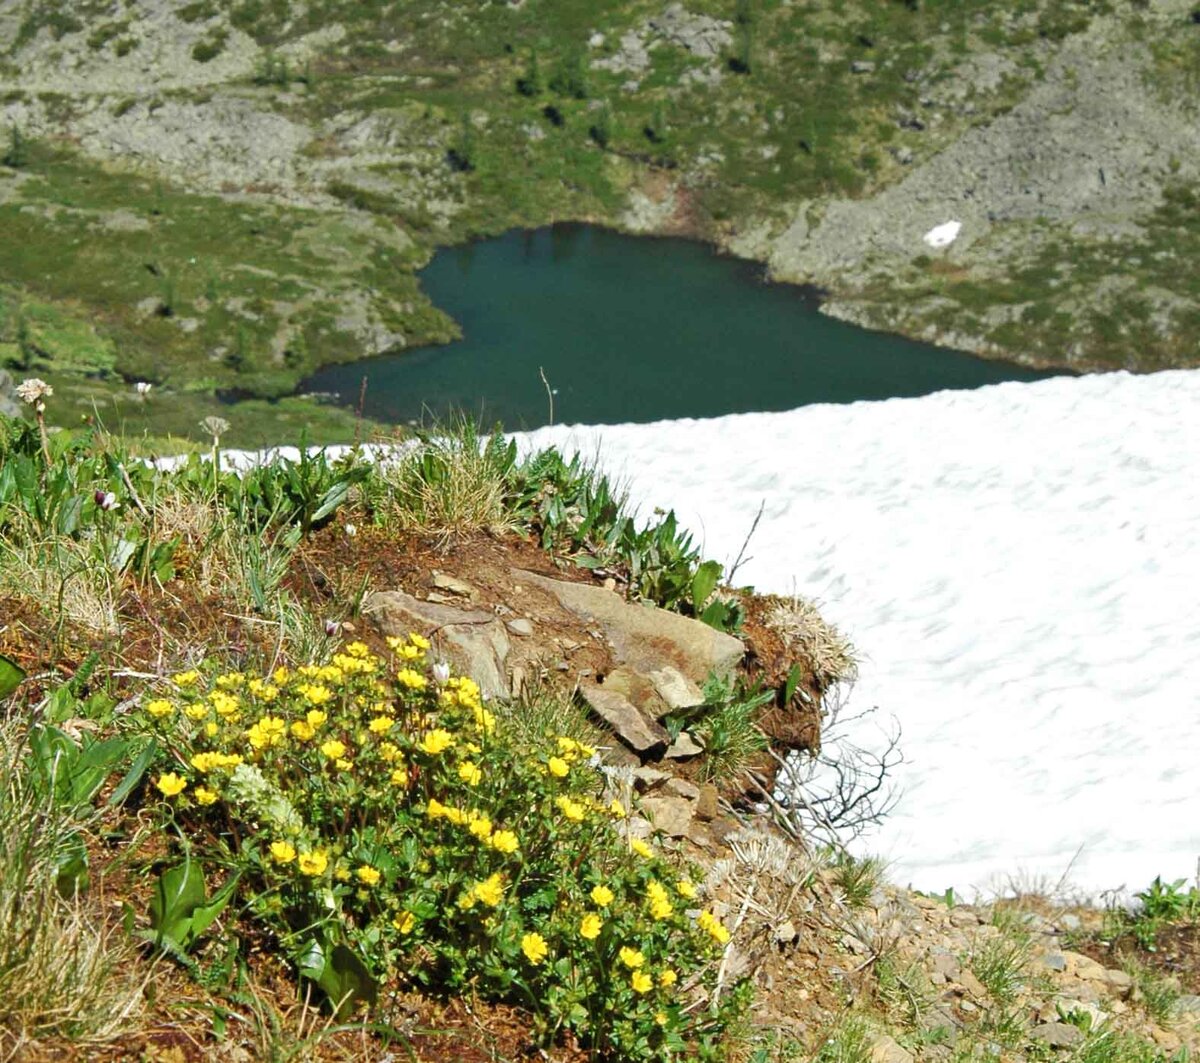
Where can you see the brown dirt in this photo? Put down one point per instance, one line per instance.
(1176, 953)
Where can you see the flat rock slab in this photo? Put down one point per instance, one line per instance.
(476, 642)
(671, 815)
(644, 736)
(643, 637)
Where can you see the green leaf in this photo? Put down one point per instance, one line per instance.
(793, 680)
(177, 894)
(704, 582)
(134, 775)
(206, 914)
(339, 974)
(11, 675)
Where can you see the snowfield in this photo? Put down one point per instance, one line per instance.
(1019, 567)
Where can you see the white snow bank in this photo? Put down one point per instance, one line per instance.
(943, 235)
(1019, 566)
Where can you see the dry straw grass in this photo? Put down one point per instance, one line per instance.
(811, 637)
(64, 973)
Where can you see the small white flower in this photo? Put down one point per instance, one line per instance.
(351, 530)
(106, 500)
(33, 390)
(215, 427)
(332, 627)
(441, 672)
(142, 387)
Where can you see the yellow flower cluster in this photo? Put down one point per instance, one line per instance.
(712, 925)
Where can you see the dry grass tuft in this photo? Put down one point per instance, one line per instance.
(63, 972)
(453, 484)
(831, 656)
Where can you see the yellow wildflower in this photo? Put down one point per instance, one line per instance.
(571, 809)
(480, 827)
(303, 730)
(211, 729)
(632, 958)
(186, 679)
(341, 874)
(404, 922)
(342, 764)
(227, 705)
(281, 675)
(436, 741)
(435, 809)
(231, 681)
(660, 1017)
(590, 926)
(333, 749)
(381, 725)
(641, 848)
(708, 922)
(470, 773)
(411, 679)
(399, 777)
(617, 809)
(171, 784)
(269, 731)
(418, 640)
(314, 718)
(263, 691)
(315, 693)
(160, 707)
(283, 852)
(685, 889)
(195, 712)
(367, 875)
(641, 982)
(490, 891)
(668, 978)
(505, 841)
(313, 863)
(535, 948)
(204, 796)
(484, 720)
(389, 751)
(558, 767)
(602, 896)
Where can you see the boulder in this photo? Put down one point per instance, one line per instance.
(475, 642)
(643, 637)
(886, 1050)
(683, 748)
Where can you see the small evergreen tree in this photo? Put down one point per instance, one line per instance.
(530, 83)
(570, 79)
(17, 154)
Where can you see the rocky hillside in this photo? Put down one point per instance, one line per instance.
(225, 194)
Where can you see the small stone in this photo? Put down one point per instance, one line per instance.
(1084, 967)
(644, 736)
(520, 626)
(1187, 1007)
(963, 917)
(1118, 981)
(671, 815)
(1069, 922)
(1057, 1034)
(689, 791)
(887, 1050)
(1053, 961)
(444, 582)
(678, 692)
(862, 66)
(683, 748)
(708, 803)
(786, 933)
(972, 985)
(646, 778)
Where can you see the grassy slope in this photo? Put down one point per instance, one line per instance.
(257, 276)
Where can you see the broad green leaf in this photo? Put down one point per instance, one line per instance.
(11, 675)
(178, 892)
(134, 775)
(704, 582)
(206, 914)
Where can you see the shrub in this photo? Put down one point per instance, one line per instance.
(346, 806)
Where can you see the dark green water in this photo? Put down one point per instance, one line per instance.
(634, 329)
